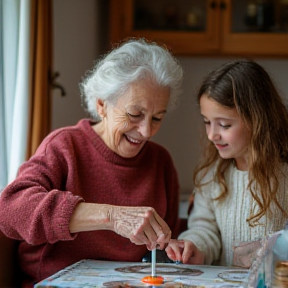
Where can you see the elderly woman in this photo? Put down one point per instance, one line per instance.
(96, 189)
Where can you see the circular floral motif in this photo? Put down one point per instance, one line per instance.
(161, 270)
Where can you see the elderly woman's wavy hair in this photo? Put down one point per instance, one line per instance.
(134, 60)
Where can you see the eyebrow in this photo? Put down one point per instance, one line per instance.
(221, 118)
(141, 109)
(161, 112)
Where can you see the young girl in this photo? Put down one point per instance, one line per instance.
(240, 184)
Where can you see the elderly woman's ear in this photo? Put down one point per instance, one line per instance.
(101, 108)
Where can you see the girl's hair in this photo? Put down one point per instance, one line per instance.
(132, 61)
(247, 87)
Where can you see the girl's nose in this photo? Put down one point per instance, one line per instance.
(213, 134)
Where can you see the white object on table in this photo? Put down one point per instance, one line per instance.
(153, 262)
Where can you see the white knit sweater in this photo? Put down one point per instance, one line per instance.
(216, 227)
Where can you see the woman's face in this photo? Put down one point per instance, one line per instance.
(226, 130)
(134, 119)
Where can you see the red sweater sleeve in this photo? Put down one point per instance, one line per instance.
(36, 197)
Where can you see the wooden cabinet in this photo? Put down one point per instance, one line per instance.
(199, 27)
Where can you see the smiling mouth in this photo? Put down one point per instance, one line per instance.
(133, 141)
(220, 145)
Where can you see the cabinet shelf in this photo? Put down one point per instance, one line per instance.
(212, 27)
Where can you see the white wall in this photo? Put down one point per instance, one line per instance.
(80, 31)
(78, 41)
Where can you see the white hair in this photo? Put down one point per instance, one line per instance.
(132, 61)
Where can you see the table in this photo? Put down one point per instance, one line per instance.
(93, 273)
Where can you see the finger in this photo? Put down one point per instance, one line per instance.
(177, 247)
(170, 253)
(143, 232)
(139, 236)
(188, 252)
(176, 242)
(153, 229)
(151, 246)
(150, 232)
(181, 244)
(143, 237)
(163, 240)
(136, 240)
(198, 257)
(161, 228)
(158, 226)
(158, 246)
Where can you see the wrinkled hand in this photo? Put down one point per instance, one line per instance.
(184, 251)
(142, 225)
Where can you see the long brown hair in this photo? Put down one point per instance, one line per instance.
(247, 87)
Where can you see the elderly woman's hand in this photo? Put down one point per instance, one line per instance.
(142, 225)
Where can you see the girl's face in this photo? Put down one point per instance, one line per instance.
(226, 130)
(134, 119)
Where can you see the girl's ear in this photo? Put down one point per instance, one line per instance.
(101, 108)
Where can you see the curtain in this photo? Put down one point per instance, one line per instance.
(25, 68)
(41, 62)
(14, 93)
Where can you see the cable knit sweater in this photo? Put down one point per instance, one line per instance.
(71, 165)
(217, 227)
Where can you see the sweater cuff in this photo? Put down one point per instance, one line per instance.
(62, 219)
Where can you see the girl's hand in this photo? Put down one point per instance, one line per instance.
(184, 251)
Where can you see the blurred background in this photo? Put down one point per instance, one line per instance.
(202, 34)
(82, 33)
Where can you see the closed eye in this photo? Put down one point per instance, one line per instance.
(134, 116)
(137, 116)
(225, 126)
(157, 119)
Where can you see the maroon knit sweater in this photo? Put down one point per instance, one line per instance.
(71, 165)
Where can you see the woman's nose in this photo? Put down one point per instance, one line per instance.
(145, 128)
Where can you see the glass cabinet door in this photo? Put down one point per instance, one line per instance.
(255, 27)
(169, 15)
(266, 16)
(187, 26)
(205, 27)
